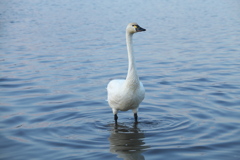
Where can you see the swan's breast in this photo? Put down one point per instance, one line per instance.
(122, 98)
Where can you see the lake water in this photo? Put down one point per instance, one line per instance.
(57, 57)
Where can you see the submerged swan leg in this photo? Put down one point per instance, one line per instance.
(115, 118)
(136, 117)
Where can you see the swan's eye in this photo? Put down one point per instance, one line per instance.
(134, 26)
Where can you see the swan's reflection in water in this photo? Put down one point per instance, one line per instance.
(127, 142)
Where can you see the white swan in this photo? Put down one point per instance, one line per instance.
(127, 94)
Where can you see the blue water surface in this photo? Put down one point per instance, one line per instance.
(56, 58)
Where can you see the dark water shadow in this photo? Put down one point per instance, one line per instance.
(127, 142)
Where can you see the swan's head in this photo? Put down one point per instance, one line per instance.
(133, 28)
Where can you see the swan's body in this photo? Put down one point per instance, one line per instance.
(127, 94)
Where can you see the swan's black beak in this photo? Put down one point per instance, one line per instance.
(140, 29)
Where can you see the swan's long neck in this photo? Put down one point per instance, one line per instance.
(132, 76)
